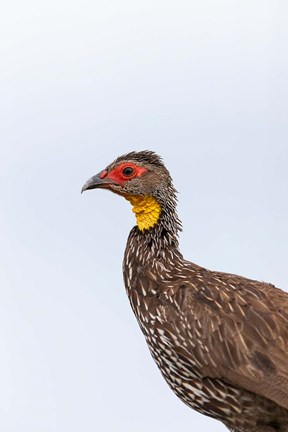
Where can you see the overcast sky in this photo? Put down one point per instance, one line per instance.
(204, 84)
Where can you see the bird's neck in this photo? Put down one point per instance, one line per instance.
(157, 228)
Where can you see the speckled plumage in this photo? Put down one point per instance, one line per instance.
(220, 340)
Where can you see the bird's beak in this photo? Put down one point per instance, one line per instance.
(98, 181)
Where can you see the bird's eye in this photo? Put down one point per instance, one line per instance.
(128, 171)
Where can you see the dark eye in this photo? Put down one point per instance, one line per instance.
(128, 171)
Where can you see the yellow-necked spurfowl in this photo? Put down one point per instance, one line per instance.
(220, 340)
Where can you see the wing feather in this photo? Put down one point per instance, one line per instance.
(241, 329)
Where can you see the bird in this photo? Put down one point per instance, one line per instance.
(220, 340)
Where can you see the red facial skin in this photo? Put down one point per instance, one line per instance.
(117, 175)
(103, 174)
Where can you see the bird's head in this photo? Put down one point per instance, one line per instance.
(142, 179)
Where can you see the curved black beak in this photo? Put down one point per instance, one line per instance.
(96, 181)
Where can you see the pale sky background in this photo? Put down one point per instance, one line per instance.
(204, 84)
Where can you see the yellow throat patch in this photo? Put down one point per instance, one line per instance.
(147, 210)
